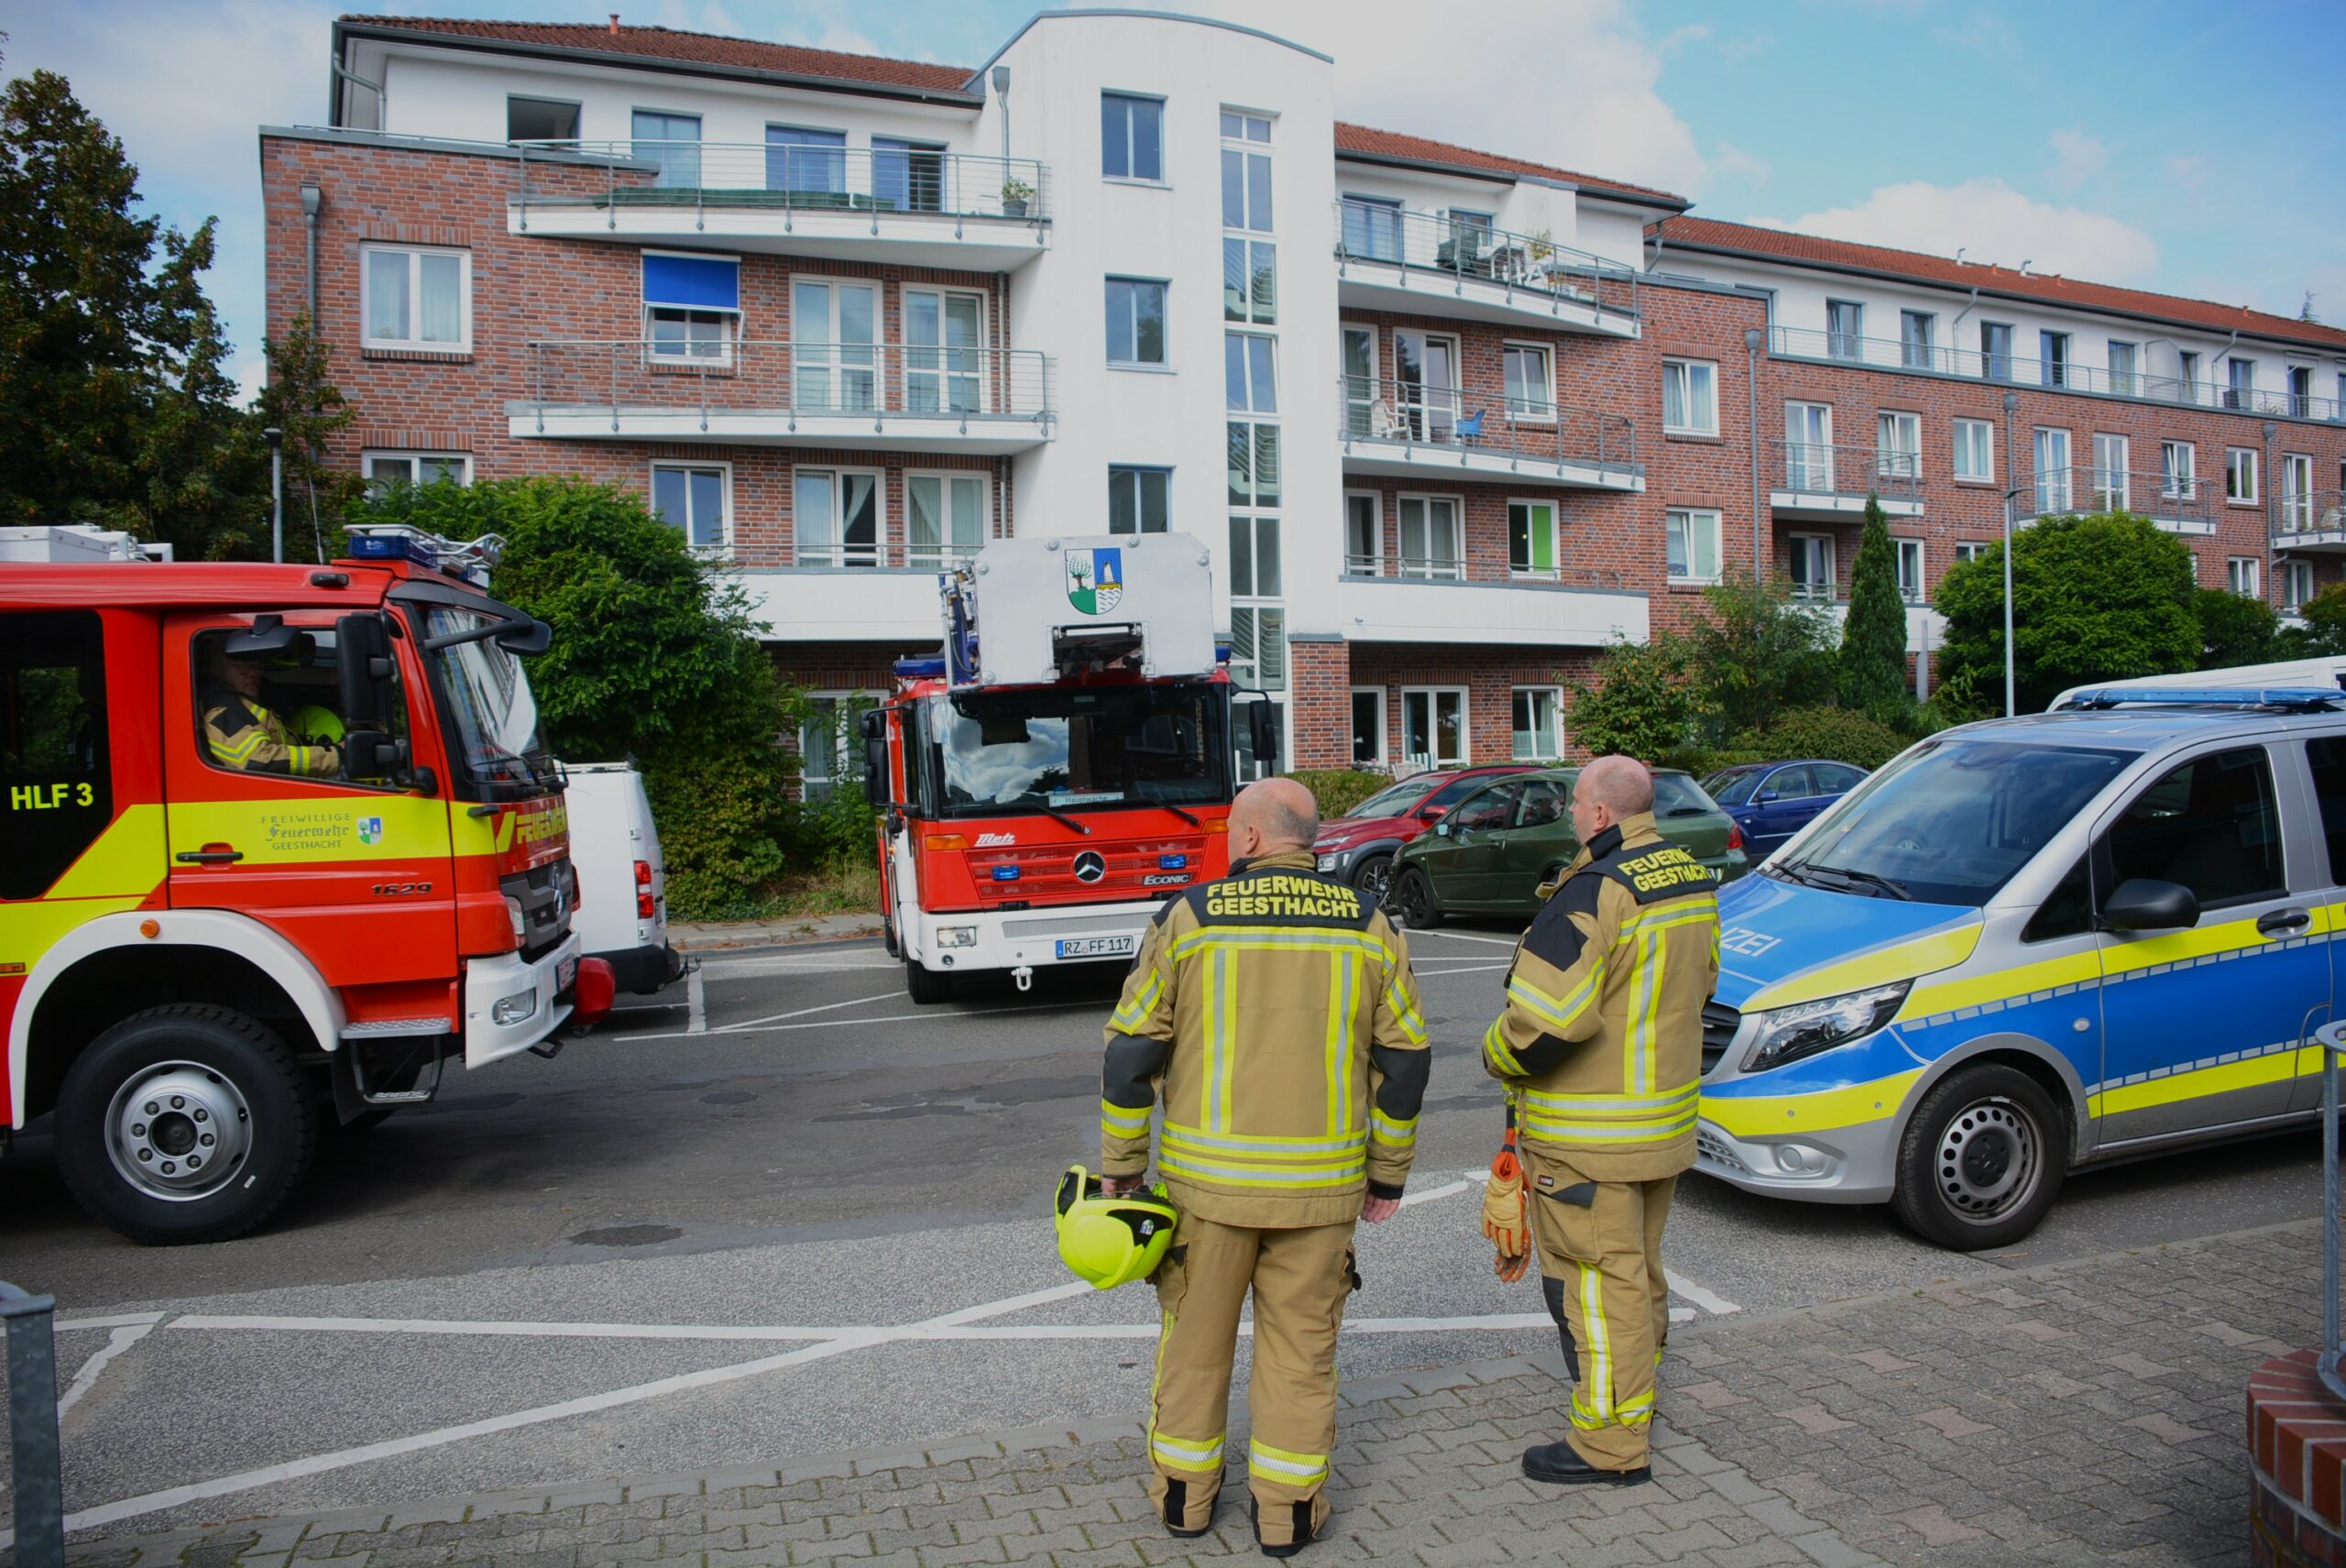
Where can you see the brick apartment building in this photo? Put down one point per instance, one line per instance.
(1451, 422)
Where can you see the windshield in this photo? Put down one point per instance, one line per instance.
(1082, 748)
(1952, 820)
(1674, 795)
(489, 698)
(1732, 786)
(1395, 799)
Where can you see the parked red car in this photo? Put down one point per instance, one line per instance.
(1359, 845)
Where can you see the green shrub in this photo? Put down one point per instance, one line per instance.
(1704, 760)
(1643, 705)
(1338, 790)
(1835, 734)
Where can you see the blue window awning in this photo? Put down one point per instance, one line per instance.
(696, 283)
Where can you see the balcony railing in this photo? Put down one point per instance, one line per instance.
(2084, 489)
(1529, 264)
(1414, 416)
(1441, 563)
(2032, 370)
(1819, 469)
(896, 553)
(933, 387)
(782, 178)
(2309, 511)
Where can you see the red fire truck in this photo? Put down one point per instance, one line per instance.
(1065, 764)
(275, 841)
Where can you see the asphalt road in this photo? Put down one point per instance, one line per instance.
(807, 1215)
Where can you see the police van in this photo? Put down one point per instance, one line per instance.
(2031, 945)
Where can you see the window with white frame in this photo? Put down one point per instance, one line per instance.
(1254, 447)
(1431, 547)
(2122, 357)
(2187, 370)
(1910, 569)
(945, 518)
(1368, 726)
(1257, 623)
(1372, 228)
(1531, 388)
(1531, 544)
(1995, 350)
(2054, 491)
(2179, 470)
(835, 516)
(1690, 397)
(2300, 391)
(2111, 491)
(1975, 449)
(1250, 280)
(416, 298)
(943, 351)
(2243, 575)
(830, 756)
(2239, 475)
(691, 307)
(385, 469)
(1917, 332)
(1434, 727)
(1135, 320)
(1968, 550)
(1364, 533)
(1814, 573)
(1131, 137)
(1692, 547)
(2296, 584)
(2296, 491)
(1898, 446)
(1250, 373)
(1245, 172)
(1255, 570)
(2240, 390)
(1539, 723)
(1140, 500)
(1808, 446)
(2053, 357)
(696, 499)
(1844, 328)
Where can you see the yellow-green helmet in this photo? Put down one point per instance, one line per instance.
(317, 721)
(1109, 1241)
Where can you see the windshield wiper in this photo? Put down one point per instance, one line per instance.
(1076, 823)
(1865, 878)
(1198, 823)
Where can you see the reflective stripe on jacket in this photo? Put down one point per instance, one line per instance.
(1601, 1042)
(245, 734)
(1275, 1014)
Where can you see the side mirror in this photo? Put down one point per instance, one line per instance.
(371, 754)
(1432, 813)
(1441, 830)
(363, 671)
(1262, 729)
(875, 721)
(2146, 903)
(1765, 797)
(875, 768)
(527, 641)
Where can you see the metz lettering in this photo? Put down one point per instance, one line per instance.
(50, 797)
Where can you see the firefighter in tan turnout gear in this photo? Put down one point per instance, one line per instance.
(1274, 1014)
(1600, 1048)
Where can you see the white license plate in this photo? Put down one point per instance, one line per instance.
(565, 972)
(1098, 946)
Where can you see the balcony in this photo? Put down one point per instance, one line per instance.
(919, 208)
(859, 601)
(2179, 505)
(1820, 483)
(2029, 370)
(2314, 522)
(1440, 597)
(866, 397)
(1407, 430)
(1431, 265)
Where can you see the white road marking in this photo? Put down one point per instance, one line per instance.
(118, 1320)
(1416, 932)
(1455, 965)
(1700, 1296)
(797, 963)
(931, 1016)
(122, 1339)
(1431, 1193)
(696, 1022)
(457, 1326)
(808, 1012)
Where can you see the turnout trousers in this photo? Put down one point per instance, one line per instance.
(1600, 1269)
(1300, 1279)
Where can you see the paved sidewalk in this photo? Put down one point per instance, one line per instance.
(2083, 1412)
(710, 936)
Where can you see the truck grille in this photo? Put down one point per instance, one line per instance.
(1719, 1025)
(1048, 873)
(547, 893)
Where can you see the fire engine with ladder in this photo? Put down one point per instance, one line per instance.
(1066, 762)
(276, 843)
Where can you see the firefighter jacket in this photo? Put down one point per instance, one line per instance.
(242, 733)
(1601, 1044)
(1275, 1014)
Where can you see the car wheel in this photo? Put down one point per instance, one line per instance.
(1982, 1159)
(1374, 877)
(184, 1124)
(927, 986)
(1413, 896)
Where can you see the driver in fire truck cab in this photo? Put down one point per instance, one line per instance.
(242, 731)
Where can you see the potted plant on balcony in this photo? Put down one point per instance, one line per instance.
(1015, 194)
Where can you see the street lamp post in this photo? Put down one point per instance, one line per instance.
(2012, 703)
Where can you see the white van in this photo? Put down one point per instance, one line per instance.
(622, 882)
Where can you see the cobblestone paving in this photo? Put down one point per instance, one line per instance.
(2086, 1412)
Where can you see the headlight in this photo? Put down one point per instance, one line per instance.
(956, 936)
(1788, 1033)
(520, 921)
(513, 1009)
(1326, 862)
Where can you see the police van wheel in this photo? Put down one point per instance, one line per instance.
(1413, 897)
(1982, 1159)
(184, 1124)
(927, 986)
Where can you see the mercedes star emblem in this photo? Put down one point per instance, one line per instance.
(1091, 866)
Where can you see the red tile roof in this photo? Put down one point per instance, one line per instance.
(1373, 143)
(1776, 244)
(691, 49)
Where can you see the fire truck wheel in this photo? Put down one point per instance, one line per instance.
(927, 986)
(184, 1124)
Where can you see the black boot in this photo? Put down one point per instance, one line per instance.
(1176, 1507)
(1560, 1464)
(1304, 1534)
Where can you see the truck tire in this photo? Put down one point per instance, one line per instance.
(231, 1128)
(1412, 899)
(927, 986)
(1982, 1159)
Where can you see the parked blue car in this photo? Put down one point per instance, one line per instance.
(1773, 801)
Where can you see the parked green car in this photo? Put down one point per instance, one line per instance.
(1499, 845)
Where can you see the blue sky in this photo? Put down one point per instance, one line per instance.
(2190, 148)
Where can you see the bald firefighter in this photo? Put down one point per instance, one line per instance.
(243, 732)
(1601, 1048)
(1274, 1014)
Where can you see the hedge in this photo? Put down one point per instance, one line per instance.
(1338, 790)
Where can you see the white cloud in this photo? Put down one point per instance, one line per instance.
(2077, 157)
(1731, 162)
(2188, 169)
(1679, 37)
(1992, 222)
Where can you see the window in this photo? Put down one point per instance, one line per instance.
(1363, 534)
(2296, 491)
(2068, 911)
(1368, 726)
(1844, 328)
(830, 755)
(705, 336)
(2179, 470)
(296, 691)
(417, 299)
(540, 119)
(2211, 825)
(1136, 322)
(696, 501)
(834, 347)
(909, 176)
(1910, 569)
(1239, 126)
(2242, 575)
(1916, 331)
(1249, 376)
(1898, 446)
(1975, 449)
(2122, 369)
(1430, 544)
(1690, 397)
(1531, 549)
(2300, 391)
(1372, 228)
(1250, 280)
(1692, 545)
(1368, 410)
(945, 518)
(1969, 551)
(1538, 733)
(2109, 486)
(1245, 178)
(52, 745)
(811, 165)
(1254, 464)
(2240, 391)
(837, 517)
(2239, 475)
(2053, 353)
(670, 141)
(691, 307)
(944, 345)
(1257, 630)
(1139, 499)
(1813, 568)
(1995, 350)
(2054, 493)
(1434, 727)
(1131, 137)
(1426, 382)
(384, 469)
(2327, 757)
(1467, 247)
(1530, 394)
(1808, 446)
(2187, 370)
(2296, 584)
(1255, 557)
